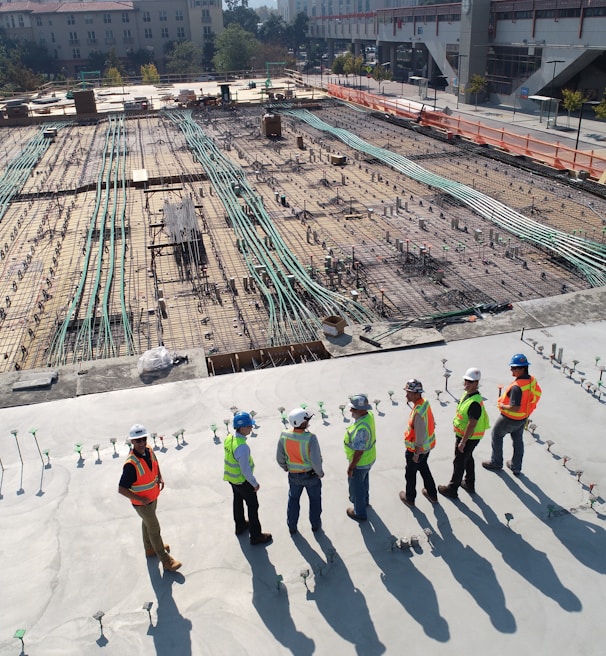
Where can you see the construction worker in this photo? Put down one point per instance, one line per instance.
(360, 450)
(516, 404)
(238, 471)
(141, 483)
(298, 453)
(470, 424)
(420, 439)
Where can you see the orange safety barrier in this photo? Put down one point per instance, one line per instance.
(555, 155)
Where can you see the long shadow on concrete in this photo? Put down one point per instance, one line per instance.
(271, 602)
(342, 605)
(172, 631)
(530, 563)
(473, 572)
(586, 541)
(404, 582)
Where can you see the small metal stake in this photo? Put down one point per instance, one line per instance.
(508, 517)
(446, 377)
(33, 432)
(376, 402)
(148, 606)
(304, 574)
(19, 633)
(154, 437)
(342, 409)
(279, 579)
(549, 443)
(99, 617)
(579, 473)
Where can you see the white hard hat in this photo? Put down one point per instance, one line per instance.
(472, 374)
(299, 416)
(137, 431)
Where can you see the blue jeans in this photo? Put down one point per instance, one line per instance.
(359, 483)
(296, 484)
(515, 427)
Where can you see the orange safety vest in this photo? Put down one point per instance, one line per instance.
(422, 408)
(147, 483)
(296, 447)
(531, 393)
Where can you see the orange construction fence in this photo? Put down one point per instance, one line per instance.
(554, 154)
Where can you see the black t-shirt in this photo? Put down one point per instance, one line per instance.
(129, 472)
(515, 393)
(475, 409)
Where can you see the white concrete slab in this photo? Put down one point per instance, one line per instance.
(71, 545)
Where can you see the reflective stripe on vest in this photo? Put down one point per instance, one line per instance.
(531, 393)
(296, 448)
(146, 484)
(370, 452)
(231, 467)
(423, 409)
(462, 419)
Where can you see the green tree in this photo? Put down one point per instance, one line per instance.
(600, 110)
(113, 61)
(297, 32)
(235, 49)
(113, 77)
(246, 18)
(184, 58)
(274, 31)
(477, 85)
(573, 101)
(380, 74)
(338, 65)
(97, 60)
(149, 74)
(138, 58)
(264, 13)
(234, 4)
(208, 52)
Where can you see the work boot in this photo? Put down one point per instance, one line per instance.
(489, 464)
(406, 500)
(428, 496)
(170, 564)
(447, 491)
(151, 552)
(469, 488)
(263, 538)
(515, 472)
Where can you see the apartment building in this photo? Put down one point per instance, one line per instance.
(72, 31)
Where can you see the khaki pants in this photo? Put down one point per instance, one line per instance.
(150, 528)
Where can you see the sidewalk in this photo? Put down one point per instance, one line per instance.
(592, 134)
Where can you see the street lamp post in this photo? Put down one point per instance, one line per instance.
(459, 78)
(555, 62)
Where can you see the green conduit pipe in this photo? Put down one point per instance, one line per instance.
(586, 256)
(289, 316)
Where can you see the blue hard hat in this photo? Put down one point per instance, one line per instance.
(242, 419)
(519, 360)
